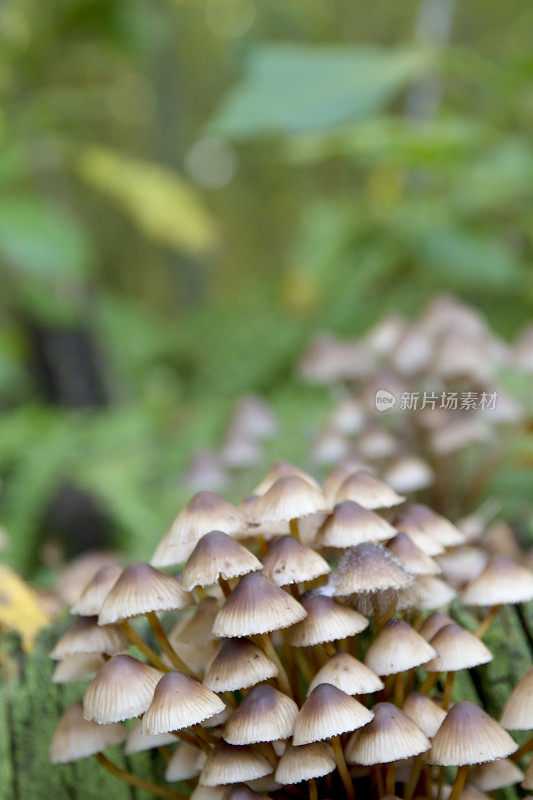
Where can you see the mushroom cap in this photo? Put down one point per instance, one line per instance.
(86, 636)
(391, 736)
(179, 701)
(502, 581)
(351, 524)
(243, 792)
(265, 715)
(238, 664)
(204, 512)
(138, 742)
(229, 763)
(185, 763)
(462, 565)
(433, 592)
(347, 674)
(122, 689)
(217, 555)
(408, 474)
(289, 561)
(80, 667)
(518, 712)
(424, 713)
(282, 469)
(290, 497)
(142, 588)
(495, 775)
(90, 601)
(75, 737)
(305, 762)
(328, 712)
(257, 605)
(457, 649)
(433, 624)
(326, 620)
(412, 557)
(469, 736)
(368, 491)
(369, 568)
(419, 519)
(396, 648)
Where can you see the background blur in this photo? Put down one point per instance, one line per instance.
(190, 190)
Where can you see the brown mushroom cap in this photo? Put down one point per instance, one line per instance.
(215, 556)
(80, 667)
(414, 560)
(347, 674)
(185, 763)
(469, 736)
(518, 712)
(122, 689)
(138, 742)
(368, 491)
(397, 648)
(351, 524)
(238, 664)
(228, 763)
(433, 624)
(86, 636)
(75, 737)
(495, 775)
(502, 581)
(141, 589)
(326, 621)
(457, 649)
(179, 701)
(391, 736)
(328, 712)
(282, 469)
(424, 713)
(96, 591)
(305, 762)
(257, 605)
(369, 568)
(289, 561)
(265, 715)
(290, 497)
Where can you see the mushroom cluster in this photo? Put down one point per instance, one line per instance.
(306, 648)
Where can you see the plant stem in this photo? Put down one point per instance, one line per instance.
(525, 748)
(166, 647)
(224, 585)
(398, 692)
(412, 783)
(342, 768)
(293, 525)
(448, 688)
(459, 782)
(136, 780)
(141, 645)
(263, 639)
(313, 791)
(390, 778)
(430, 682)
(483, 627)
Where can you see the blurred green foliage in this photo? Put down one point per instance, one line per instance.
(201, 186)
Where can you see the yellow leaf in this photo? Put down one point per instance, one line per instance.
(160, 202)
(19, 608)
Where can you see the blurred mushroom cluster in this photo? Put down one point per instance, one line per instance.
(303, 642)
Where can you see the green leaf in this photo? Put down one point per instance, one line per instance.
(158, 200)
(289, 88)
(41, 240)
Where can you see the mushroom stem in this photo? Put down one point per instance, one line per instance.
(448, 688)
(293, 525)
(165, 752)
(166, 647)
(459, 782)
(398, 692)
(429, 683)
(329, 649)
(263, 639)
(390, 778)
(485, 624)
(342, 768)
(224, 585)
(313, 791)
(525, 748)
(192, 739)
(136, 780)
(414, 777)
(141, 645)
